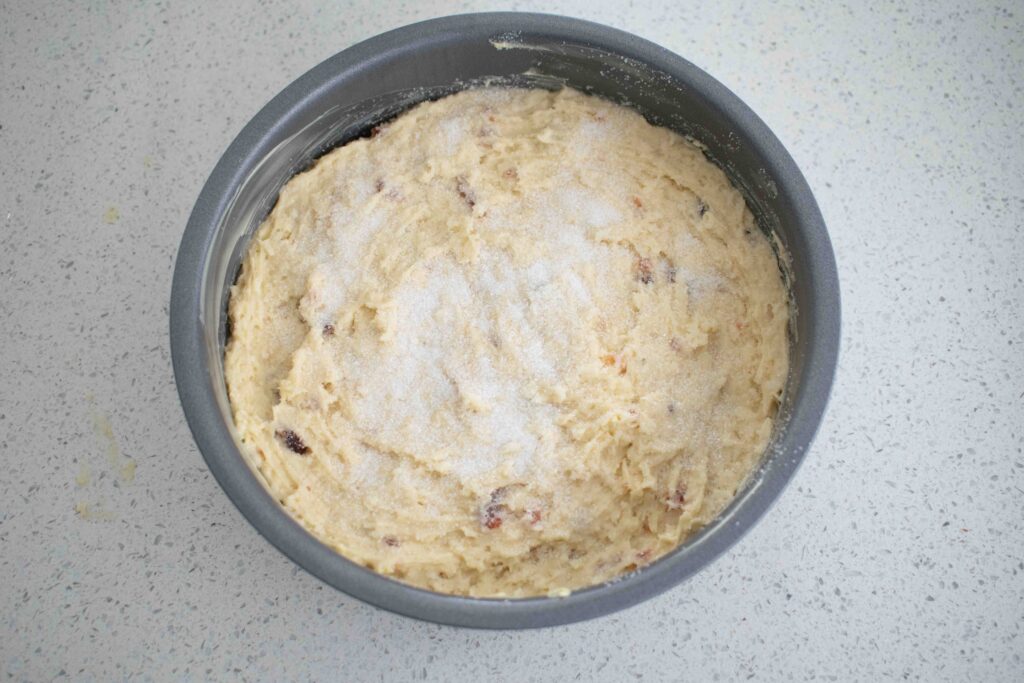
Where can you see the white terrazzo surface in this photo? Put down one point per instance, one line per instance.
(898, 552)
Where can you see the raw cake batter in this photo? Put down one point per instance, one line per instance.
(514, 343)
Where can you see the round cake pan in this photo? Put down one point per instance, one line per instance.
(343, 98)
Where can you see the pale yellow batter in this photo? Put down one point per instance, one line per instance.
(516, 343)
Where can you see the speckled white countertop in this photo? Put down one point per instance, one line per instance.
(897, 552)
